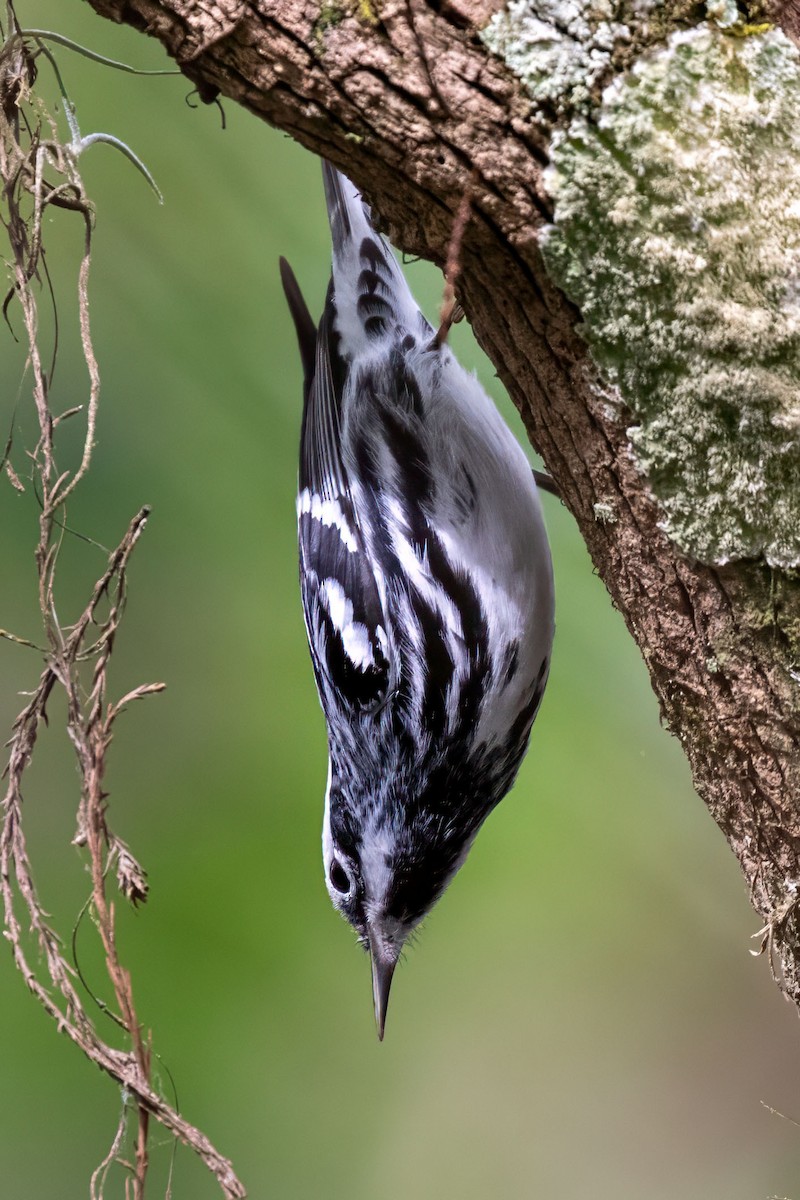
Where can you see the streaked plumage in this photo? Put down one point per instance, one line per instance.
(426, 584)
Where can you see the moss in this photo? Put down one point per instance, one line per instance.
(742, 29)
(367, 13)
(331, 13)
(677, 233)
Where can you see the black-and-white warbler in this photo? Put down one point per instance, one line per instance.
(427, 589)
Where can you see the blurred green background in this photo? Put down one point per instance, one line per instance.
(581, 1015)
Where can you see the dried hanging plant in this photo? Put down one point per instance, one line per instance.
(40, 171)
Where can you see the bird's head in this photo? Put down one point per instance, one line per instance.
(385, 868)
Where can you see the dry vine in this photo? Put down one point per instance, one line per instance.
(40, 171)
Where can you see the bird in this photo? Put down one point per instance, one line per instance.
(427, 588)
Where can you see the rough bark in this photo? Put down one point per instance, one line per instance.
(410, 102)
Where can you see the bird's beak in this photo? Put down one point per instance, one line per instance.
(383, 966)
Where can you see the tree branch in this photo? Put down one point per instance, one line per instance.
(407, 98)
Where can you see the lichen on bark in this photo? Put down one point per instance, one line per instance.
(677, 233)
(559, 49)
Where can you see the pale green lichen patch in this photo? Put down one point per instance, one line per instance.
(559, 49)
(677, 233)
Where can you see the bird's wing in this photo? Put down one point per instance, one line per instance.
(304, 326)
(347, 629)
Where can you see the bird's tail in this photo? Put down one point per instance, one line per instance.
(347, 213)
(370, 291)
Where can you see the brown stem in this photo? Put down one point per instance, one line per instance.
(23, 155)
(452, 268)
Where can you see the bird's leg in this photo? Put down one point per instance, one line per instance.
(546, 483)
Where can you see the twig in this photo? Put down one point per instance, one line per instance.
(450, 310)
(39, 171)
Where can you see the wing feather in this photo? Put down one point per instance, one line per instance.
(303, 324)
(346, 626)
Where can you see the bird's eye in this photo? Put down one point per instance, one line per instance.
(339, 878)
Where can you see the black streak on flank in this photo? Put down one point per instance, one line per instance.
(438, 668)
(404, 385)
(366, 463)
(462, 592)
(518, 734)
(367, 472)
(464, 497)
(511, 661)
(413, 468)
(473, 491)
